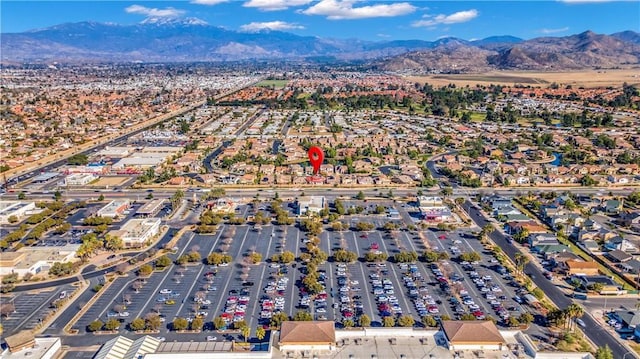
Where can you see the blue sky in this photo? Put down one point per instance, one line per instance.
(370, 20)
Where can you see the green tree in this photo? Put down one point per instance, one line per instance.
(467, 316)
(101, 198)
(360, 195)
(260, 332)
(12, 219)
(137, 324)
(153, 322)
(348, 323)
(21, 195)
(95, 326)
(245, 333)
(429, 321)
(278, 318)
(470, 256)
(219, 323)
(112, 324)
(513, 322)
(604, 352)
(255, 257)
(180, 324)
(145, 270)
(406, 321)
(538, 293)
(525, 318)
(364, 320)
(113, 243)
(388, 321)
(197, 324)
(163, 261)
(302, 316)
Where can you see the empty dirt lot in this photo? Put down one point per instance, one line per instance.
(585, 78)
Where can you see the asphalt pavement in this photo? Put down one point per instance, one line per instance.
(594, 331)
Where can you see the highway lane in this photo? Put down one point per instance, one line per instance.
(593, 330)
(329, 192)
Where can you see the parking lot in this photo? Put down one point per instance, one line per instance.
(30, 308)
(254, 292)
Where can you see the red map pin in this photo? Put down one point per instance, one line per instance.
(316, 156)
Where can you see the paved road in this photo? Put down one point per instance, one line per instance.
(594, 331)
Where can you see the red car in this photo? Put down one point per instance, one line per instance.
(374, 246)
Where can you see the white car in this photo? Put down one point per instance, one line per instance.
(165, 291)
(162, 339)
(211, 338)
(124, 314)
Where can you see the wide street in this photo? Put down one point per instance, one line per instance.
(594, 331)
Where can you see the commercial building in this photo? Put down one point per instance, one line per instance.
(79, 179)
(25, 345)
(136, 232)
(151, 208)
(309, 205)
(318, 336)
(123, 348)
(15, 208)
(472, 335)
(114, 208)
(433, 209)
(45, 177)
(320, 340)
(36, 259)
(222, 205)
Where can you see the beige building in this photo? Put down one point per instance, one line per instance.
(24, 345)
(318, 336)
(37, 259)
(472, 335)
(136, 232)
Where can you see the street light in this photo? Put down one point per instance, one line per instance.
(625, 354)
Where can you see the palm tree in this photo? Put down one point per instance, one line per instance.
(521, 261)
(574, 311)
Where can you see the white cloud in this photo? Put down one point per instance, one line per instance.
(271, 25)
(553, 31)
(455, 18)
(208, 2)
(343, 9)
(154, 12)
(274, 5)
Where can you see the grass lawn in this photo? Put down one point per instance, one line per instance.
(273, 83)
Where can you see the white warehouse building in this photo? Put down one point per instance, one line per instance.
(15, 208)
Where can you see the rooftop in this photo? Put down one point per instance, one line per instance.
(307, 332)
(472, 332)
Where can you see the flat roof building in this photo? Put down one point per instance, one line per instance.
(36, 259)
(25, 345)
(309, 205)
(15, 208)
(45, 177)
(79, 179)
(114, 208)
(151, 208)
(136, 232)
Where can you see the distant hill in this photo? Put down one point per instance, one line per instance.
(585, 50)
(191, 39)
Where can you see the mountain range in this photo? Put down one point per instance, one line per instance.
(188, 40)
